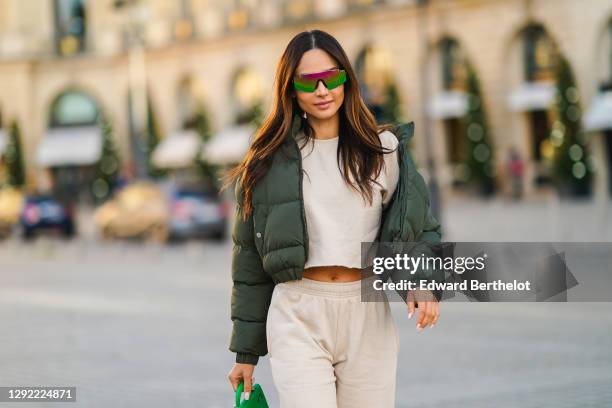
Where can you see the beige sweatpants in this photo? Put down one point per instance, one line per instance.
(328, 348)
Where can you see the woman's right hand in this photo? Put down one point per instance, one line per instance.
(242, 373)
(429, 308)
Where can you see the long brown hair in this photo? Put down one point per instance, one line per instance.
(359, 147)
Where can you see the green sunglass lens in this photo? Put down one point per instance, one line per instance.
(336, 80)
(333, 80)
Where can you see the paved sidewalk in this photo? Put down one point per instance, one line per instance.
(135, 325)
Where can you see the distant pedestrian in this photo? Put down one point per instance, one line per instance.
(516, 170)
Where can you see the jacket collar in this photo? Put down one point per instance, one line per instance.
(296, 124)
(404, 132)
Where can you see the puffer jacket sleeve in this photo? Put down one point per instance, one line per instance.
(415, 212)
(430, 231)
(426, 245)
(251, 291)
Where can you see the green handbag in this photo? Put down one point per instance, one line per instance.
(257, 398)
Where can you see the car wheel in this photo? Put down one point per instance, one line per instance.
(174, 239)
(106, 233)
(68, 231)
(27, 234)
(5, 232)
(219, 235)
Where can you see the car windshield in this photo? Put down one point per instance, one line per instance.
(40, 198)
(135, 195)
(194, 192)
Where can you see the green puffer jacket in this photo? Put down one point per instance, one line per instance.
(271, 246)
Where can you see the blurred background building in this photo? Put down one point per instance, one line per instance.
(152, 71)
(128, 109)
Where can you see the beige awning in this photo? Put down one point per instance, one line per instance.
(3, 141)
(532, 96)
(70, 146)
(177, 150)
(448, 104)
(599, 114)
(228, 146)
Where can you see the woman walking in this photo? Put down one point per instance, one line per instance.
(320, 178)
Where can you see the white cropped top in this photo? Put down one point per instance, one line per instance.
(338, 218)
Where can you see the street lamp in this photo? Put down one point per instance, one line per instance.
(434, 191)
(134, 24)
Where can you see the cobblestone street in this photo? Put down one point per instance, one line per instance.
(135, 325)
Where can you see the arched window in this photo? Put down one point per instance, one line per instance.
(184, 25)
(539, 54)
(247, 94)
(374, 70)
(374, 67)
(357, 4)
(610, 50)
(449, 103)
(453, 65)
(295, 10)
(70, 26)
(240, 13)
(74, 108)
(190, 99)
(2, 142)
(607, 86)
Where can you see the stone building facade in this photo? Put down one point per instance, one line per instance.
(223, 54)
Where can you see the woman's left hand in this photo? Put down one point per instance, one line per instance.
(429, 308)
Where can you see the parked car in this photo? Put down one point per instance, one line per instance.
(11, 201)
(197, 213)
(138, 210)
(43, 212)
